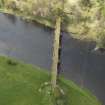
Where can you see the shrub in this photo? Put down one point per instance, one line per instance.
(101, 40)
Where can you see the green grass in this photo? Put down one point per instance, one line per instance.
(20, 84)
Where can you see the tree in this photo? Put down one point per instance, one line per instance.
(91, 21)
(56, 47)
(84, 19)
(57, 44)
(1, 3)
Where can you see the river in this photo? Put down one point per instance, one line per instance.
(32, 43)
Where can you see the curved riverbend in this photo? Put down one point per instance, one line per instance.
(32, 43)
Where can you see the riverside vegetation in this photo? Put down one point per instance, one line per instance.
(84, 19)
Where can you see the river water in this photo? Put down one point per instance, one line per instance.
(32, 43)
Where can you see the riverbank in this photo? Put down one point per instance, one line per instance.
(23, 84)
(40, 20)
(83, 24)
(48, 23)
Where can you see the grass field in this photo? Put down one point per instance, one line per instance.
(22, 84)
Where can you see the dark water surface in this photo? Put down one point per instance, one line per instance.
(32, 43)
